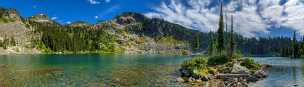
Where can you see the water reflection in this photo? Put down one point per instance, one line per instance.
(285, 72)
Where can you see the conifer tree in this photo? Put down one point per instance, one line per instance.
(295, 48)
(231, 50)
(220, 33)
(212, 47)
(197, 41)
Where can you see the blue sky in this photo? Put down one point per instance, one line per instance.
(255, 18)
(72, 10)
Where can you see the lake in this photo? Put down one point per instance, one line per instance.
(89, 70)
(285, 72)
(134, 71)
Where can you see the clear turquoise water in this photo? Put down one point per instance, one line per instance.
(89, 71)
(285, 72)
(126, 71)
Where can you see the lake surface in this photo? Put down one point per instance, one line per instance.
(285, 72)
(131, 71)
(89, 71)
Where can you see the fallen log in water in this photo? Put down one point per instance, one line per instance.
(222, 76)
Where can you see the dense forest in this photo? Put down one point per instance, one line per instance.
(84, 37)
(56, 37)
(61, 38)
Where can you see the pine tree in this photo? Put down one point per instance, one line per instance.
(212, 47)
(295, 49)
(12, 41)
(197, 41)
(220, 33)
(231, 50)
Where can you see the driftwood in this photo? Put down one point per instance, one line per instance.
(222, 76)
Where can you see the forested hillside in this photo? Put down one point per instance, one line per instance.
(131, 33)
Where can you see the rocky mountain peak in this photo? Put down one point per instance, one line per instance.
(129, 18)
(40, 18)
(9, 15)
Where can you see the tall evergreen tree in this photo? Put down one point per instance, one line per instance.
(220, 33)
(295, 47)
(197, 41)
(231, 50)
(212, 47)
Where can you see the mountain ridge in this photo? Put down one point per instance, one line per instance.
(127, 33)
(130, 33)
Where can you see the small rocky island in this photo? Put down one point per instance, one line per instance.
(233, 72)
(224, 65)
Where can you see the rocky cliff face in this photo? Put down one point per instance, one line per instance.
(15, 38)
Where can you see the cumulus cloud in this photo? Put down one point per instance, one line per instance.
(251, 16)
(68, 22)
(94, 2)
(54, 18)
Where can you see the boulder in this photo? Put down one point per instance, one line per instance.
(205, 78)
(184, 72)
(191, 79)
(238, 69)
(260, 74)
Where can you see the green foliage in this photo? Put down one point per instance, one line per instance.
(196, 43)
(12, 41)
(212, 48)
(7, 42)
(198, 61)
(57, 38)
(218, 60)
(250, 64)
(3, 20)
(295, 47)
(196, 66)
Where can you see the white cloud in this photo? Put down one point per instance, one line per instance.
(96, 17)
(94, 2)
(68, 22)
(54, 18)
(255, 16)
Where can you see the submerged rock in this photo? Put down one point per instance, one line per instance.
(252, 79)
(180, 79)
(184, 72)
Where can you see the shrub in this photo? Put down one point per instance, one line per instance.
(218, 60)
(250, 64)
(200, 72)
(198, 61)
(196, 66)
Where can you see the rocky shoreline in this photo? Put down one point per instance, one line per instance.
(238, 76)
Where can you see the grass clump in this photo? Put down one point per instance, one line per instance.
(250, 64)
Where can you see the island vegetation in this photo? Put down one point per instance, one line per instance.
(222, 62)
